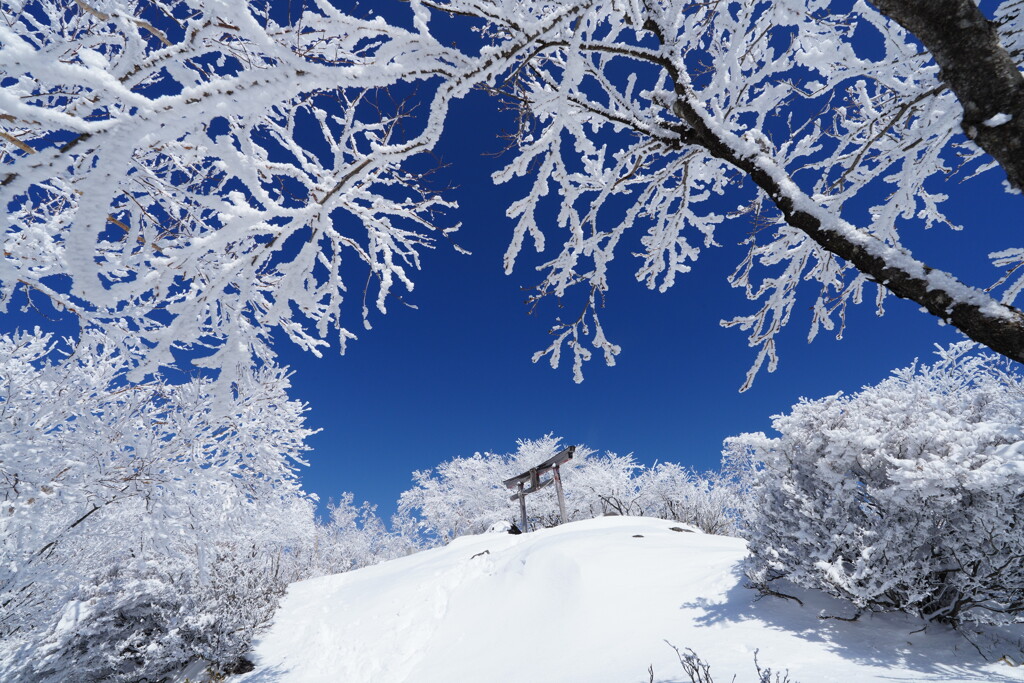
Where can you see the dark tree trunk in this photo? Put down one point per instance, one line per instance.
(977, 68)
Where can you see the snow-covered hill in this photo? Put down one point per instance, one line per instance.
(589, 602)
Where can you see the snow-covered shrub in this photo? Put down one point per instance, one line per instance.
(908, 495)
(116, 626)
(138, 619)
(141, 525)
(465, 495)
(354, 537)
(709, 501)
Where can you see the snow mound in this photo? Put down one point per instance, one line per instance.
(590, 602)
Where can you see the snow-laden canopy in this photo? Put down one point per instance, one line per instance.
(195, 174)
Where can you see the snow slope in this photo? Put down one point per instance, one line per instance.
(592, 602)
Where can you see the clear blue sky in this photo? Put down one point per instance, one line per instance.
(455, 376)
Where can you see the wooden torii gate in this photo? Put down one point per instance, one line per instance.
(532, 476)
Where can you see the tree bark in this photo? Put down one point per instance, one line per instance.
(977, 68)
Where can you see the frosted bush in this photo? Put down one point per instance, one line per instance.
(908, 495)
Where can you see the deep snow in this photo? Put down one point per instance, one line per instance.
(594, 602)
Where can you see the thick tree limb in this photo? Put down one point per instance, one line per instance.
(977, 68)
(982, 318)
(973, 312)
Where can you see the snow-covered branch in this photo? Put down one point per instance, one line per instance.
(186, 175)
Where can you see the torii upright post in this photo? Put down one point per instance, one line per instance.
(522, 507)
(558, 487)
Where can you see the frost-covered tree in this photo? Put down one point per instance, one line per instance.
(904, 496)
(192, 173)
(466, 496)
(141, 525)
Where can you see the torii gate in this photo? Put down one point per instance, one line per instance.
(533, 477)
